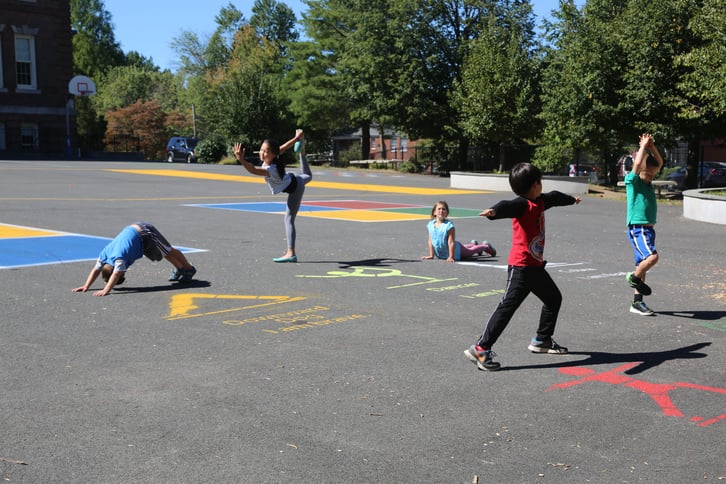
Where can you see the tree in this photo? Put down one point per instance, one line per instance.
(497, 95)
(138, 127)
(704, 83)
(95, 51)
(581, 84)
(242, 100)
(124, 85)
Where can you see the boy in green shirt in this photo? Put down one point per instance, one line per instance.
(642, 213)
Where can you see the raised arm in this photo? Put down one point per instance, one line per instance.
(239, 153)
(639, 161)
(289, 144)
(654, 151)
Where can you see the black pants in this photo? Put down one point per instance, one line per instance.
(520, 282)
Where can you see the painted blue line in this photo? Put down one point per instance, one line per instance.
(263, 207)
(55, 249)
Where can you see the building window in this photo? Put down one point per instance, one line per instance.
(2, 137)
(394, 145)
(373, 144)
(404, 145)
(25, 61)
(29, 136)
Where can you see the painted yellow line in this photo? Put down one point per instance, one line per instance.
(317, 184)
(14, 231)
(182, 305)
(365, 215)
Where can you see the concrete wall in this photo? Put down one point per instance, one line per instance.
(500, 183)
(699, 205)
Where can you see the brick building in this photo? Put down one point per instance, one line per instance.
(36, 64)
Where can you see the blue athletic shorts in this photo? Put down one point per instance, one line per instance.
(642, 238)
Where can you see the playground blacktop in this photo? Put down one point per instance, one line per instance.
(348, 366)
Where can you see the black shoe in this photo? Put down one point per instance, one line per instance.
(186, 275)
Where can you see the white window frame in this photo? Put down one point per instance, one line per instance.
(32, 61)
(404, 145)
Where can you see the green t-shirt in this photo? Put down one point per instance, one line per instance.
(642, 205)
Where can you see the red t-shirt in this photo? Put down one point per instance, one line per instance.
(528, 226)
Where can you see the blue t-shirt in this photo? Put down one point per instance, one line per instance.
(440, 239)
(123, 250)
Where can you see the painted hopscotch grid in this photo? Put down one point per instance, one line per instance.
(346, 210)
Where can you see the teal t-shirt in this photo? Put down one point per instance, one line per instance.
(642, 205)
(440, 239)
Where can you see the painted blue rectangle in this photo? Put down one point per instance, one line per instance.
(57, 249)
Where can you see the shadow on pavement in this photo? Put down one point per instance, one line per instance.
(647, 360)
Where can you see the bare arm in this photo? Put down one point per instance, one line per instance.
(431, 250)
(451, 240)
(89, 280)
(288, 144)
(639, 162)
(110, 284)
(239, 153)
(654, 151)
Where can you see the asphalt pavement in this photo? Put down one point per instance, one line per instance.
(349, 365)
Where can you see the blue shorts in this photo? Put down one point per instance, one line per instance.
(642, 238)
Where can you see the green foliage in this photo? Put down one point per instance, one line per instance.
(210, 150)
(409, 166)
(95, 49)
(138, 127)
(466, 74)
(346, 156)
(498, 88)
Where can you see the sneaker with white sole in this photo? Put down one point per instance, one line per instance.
(549, 346)
(639, 307)
(175, 275)
(482, 358)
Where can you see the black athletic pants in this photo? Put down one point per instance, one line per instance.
(520, 282)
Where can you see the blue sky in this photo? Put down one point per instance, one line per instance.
(149, 26)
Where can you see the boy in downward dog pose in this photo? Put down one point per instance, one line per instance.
(132, 243)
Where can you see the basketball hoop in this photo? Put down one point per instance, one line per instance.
(81, 86)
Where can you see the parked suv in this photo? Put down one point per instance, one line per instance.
(181, 148)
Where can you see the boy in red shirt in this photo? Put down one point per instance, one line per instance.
(526, 272)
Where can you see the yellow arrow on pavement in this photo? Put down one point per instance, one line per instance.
(182, 305)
